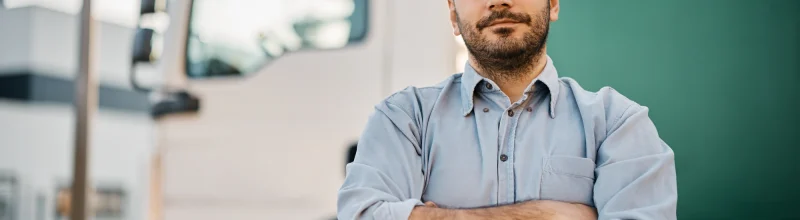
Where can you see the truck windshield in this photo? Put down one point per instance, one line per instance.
(238, 37)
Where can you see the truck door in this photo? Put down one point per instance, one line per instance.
(285, 87)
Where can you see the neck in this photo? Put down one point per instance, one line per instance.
(513, 83)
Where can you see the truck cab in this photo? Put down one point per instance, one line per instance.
(285, 87)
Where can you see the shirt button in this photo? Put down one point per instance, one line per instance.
(529, 109)
(488, 85)
(510, 113)
(503, 158)
(485, 109)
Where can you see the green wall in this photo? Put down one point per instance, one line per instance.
(721, 80)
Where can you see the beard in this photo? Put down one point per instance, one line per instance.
(506, 58)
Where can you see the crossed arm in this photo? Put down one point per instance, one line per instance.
(635, 176)
(385, 181)
(536, 210)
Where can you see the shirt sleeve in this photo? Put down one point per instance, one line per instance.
(385, 181)
(636, 171)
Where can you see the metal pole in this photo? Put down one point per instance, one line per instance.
(85, 106)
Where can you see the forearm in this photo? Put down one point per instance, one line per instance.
(427, 212)
(526, 210)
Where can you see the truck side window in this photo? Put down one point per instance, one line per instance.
(238, 37)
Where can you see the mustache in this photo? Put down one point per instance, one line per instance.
(504, 14)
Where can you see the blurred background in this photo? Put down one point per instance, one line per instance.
(249, 109)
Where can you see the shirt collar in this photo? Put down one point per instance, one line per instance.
(470, 79)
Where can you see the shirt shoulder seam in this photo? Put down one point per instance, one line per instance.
(618, 118)
(396, 106)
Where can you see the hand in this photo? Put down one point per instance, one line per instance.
(430, 204)
(424, 212)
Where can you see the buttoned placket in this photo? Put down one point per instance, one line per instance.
(506, 135)
(509, 120)
(507, 149)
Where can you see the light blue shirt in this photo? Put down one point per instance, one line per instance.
(463, 144)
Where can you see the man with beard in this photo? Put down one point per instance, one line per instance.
(508, 139)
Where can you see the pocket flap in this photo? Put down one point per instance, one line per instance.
(578, 166)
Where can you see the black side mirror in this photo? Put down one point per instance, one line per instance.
(148, 6)
(143, 46)
(144, 51)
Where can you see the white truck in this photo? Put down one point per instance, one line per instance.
(285, 87)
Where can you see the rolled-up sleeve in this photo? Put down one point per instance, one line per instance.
(385, 181)
(636, 170)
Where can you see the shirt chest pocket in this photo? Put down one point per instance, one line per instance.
(568, 179)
